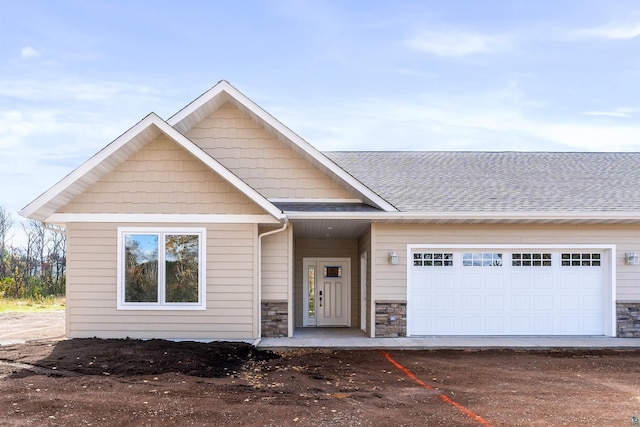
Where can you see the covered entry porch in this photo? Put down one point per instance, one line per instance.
(331, 290)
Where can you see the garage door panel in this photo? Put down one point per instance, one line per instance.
(570, 281)
(592, 303)
(474, 298)
(494, 281)
(445, 302)
(543, 303)
(520, 281)
(520, 325)
(471, 302)
(495, 325)
(542, 325)
(590, 282)
(446, 324)
(494, 302)
(571, 325)
(470, 281)
(470, 324)
(543, 281)
(520, 302)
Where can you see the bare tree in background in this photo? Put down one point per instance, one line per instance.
(6, 222)
(37, 269)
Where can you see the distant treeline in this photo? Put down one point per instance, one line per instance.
(36, 269)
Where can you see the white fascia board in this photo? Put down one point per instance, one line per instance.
(224, 86)
(78, 173)
(328, 201)
(412, 246)
(471, 216)
(196, 104)
(66, 218)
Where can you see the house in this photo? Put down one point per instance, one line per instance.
(222, 223)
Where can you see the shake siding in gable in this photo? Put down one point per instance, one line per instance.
(162, 178)
(92, 283)
(390, 280)
(260, 159)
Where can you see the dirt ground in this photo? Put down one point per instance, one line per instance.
(92, 382)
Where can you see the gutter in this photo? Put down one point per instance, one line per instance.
(54, 228)
(524, 216)
(260, 236)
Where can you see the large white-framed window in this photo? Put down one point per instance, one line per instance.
(161, 268)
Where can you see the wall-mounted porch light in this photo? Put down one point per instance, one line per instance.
(393, 257)
(631, 258)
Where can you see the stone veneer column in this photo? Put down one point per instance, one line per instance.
(628, 319)
(391, 319)
(275, 319)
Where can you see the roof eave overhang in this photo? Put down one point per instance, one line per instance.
(224, 91)
(477, 217)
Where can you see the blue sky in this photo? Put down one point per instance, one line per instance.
(344, 75)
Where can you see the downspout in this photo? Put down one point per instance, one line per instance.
(260, 236)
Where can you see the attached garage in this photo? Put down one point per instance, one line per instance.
(512, 291)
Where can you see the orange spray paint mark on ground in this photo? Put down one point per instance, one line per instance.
(444, 398)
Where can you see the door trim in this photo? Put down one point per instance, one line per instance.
(306, 262)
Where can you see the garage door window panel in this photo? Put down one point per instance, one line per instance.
(528, 259)
(481, 259)
(581, 260)
(433, 259)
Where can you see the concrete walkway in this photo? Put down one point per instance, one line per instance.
(344, 338)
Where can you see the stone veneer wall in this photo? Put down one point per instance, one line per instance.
(391, 319)
(275, 319)
(628, 319)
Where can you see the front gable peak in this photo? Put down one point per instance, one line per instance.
(224, 93)
(117, 152)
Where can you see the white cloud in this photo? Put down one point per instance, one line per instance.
(616, 112)
(455, 43)
(502, 120)
(610, 32)
(29, 52)
(605, 113)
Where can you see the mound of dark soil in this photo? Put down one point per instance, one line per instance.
(151, 357)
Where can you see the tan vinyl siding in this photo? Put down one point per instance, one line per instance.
(327, 248)
(260, 159)
(162, 178)
(391, 280)
(92, 288)
(275, 265)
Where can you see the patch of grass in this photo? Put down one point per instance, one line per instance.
(42, 305)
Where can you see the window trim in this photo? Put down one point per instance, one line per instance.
(161, 305)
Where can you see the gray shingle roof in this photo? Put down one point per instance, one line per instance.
(499, 181)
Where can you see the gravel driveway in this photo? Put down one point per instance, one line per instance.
(22, 327)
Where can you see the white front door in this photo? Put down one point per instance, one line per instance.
(326, 291)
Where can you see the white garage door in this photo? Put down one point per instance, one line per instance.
(515, 292)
